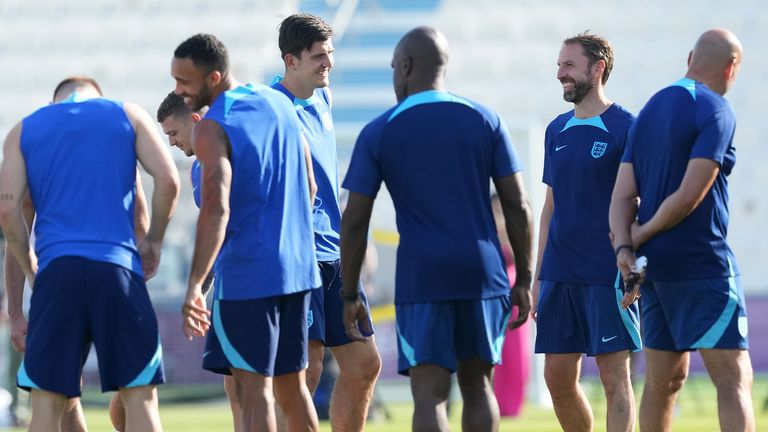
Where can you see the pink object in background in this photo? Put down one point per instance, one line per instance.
(510, 378)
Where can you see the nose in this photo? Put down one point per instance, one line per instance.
(328, 61)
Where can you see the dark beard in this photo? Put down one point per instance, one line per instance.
(201, 100)
(580, 89)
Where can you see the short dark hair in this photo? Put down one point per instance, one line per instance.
(299, 31)
(172, 105)
(76, 81)
(596, 48)
(206, 52)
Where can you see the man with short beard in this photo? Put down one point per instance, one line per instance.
(578, 300)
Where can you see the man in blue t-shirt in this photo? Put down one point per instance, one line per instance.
(679, 154)
(255, 223)
(578, 292)
(307, 51)
(437, 153)
(88, 267)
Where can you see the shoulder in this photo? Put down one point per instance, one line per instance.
(558, 123)
(618, 115)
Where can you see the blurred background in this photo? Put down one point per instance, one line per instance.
(503, 54)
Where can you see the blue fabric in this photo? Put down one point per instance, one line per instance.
(317, 124)
(326, 309)
(81, 168)
(267, 335)
(445, 333)
(581, 160)
(77, 303)
(694, 314)
(584, 319)
(195, 176)
(268, 248)
(437, 159)
(672, 129)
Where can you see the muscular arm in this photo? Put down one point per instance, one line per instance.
(212, 150)
(14, 283)
(156, 160)
(697, 181)
(310, 170)
(13, 187)
(140, 211)
(519, 223)
(354, 243)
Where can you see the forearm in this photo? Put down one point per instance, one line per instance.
(164, 200)
(354, 241)
(140, 211)
(211, 229)
(311, 183)
(17, 240)
(671, 212)
(14, 285)
(621, 215)
(520, 231)
(544, 221)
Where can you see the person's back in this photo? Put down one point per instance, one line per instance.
(684, 121)
(82, 180)
(437, 153)
(269, 205)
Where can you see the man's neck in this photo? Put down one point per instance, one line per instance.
(593, 104)
(294, 86)
(226, 84)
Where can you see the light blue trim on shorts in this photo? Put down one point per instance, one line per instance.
(632, 328)
(713, 335)
(498, 344)
(406, 348)
(24, 379)
(233, 357)
(145, 377)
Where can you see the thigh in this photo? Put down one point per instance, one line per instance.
(610, 328)
(425, 335)
(558, 328)
(124, 328)
(292, 348)
(656, 331)
(707, 313)
(57, 337)
(335, 335)
(480, 334)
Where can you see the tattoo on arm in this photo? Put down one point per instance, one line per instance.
(6, 197)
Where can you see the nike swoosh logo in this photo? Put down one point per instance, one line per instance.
(609, 339)
(558, 148)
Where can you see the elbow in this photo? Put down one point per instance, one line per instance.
(8, 209)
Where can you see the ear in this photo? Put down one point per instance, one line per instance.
(599, 69)
(290, 61)
(406, 66)
(195, 117)
(730, 70)
(214, 78)
(690, 56)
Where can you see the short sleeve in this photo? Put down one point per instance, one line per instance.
(546, 176)
(364, 173)
(628, 155)
(505, 159)
(714, 137)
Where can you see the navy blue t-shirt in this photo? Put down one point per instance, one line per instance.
(436, 153)
(581, 160)
(684, 121)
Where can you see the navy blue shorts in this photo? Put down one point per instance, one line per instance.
(445, 333)
(587, 319)
(688, 315)
(267, 336)
(326, 309)
(76, 302)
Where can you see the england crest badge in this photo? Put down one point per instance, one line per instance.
(598, 149)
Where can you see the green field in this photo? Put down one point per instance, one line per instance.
(697, 412)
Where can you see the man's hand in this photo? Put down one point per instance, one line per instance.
(638, 234)
(356, 320)
(150, 257)
(19, 333)
(195, 315)
(521, 297)
(625, 261)
(535, 299)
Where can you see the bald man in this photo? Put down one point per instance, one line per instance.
(437, 153)
(678, 158)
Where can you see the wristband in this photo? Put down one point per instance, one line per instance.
(624, 246)
(349, 297)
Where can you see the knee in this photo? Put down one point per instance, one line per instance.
(230, 389)
(251, 396)
(314, 372)
(558, 382)
(364, 369)
(676, 380)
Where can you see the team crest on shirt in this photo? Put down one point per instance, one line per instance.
(598, 149)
